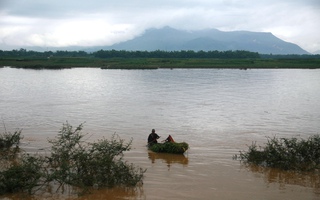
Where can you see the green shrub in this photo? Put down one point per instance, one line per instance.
(287, 154)
(7, 139)
(73, 162)
(23, 176)
(78, 163)
(9, 148)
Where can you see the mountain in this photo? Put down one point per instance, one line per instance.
(169, 39)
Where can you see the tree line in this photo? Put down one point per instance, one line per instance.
(23, 53)
(238, 54)
(175, 54)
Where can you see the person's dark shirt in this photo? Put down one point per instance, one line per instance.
(152, 139)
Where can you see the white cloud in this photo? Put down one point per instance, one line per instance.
(101, 22)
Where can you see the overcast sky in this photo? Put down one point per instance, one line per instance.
(103, 22)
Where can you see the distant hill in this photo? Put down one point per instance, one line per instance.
(169, 39)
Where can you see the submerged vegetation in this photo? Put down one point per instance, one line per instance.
(287, 154)
(71, 162)
(9, 148)
(8, 139)
(170, 147)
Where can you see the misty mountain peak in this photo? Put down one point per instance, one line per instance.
(170, 39)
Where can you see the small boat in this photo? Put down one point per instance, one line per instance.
(169, 146)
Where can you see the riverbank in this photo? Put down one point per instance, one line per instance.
(156, 63)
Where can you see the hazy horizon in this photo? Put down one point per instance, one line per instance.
(102, 23)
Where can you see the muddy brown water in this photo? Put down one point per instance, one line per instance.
(218, 112)
(211, 173)
(201, 173)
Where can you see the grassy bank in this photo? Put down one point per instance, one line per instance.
(155, 63)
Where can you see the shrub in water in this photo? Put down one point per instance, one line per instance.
(23, 176)
(9, 148)
(7, 139)
(287, 154)
(74, 162)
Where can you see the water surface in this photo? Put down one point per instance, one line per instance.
(217, 111)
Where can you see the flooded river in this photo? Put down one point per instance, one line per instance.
(217, 111)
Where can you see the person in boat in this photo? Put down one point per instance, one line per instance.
(152, 139)
(169, 139)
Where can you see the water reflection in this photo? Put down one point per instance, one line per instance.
(72, 193)
(169, 159)
(223, 109)
(284, 178)
(116, 193)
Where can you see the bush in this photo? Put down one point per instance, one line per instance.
(22, 177)
(287, 154)
(9, 147)
(73, 162)
(7, 139)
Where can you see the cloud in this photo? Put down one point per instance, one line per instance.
(100, 22)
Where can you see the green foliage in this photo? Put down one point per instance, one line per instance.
(17, 172)
(287, 154)
(23, 53)
(112, 59)
(74, 162)
(8, 139)
(156, 63)
(9, 146)
(175, 54)
(170, 147)
(23, 176)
